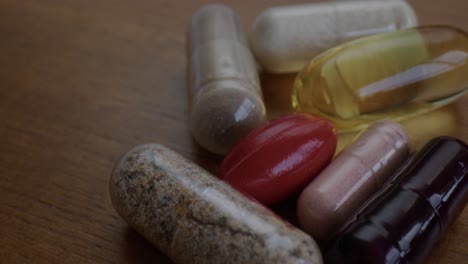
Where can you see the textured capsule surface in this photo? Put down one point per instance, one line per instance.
(347, 182)
(392, 75)
(278, 159)
(403, 221)
(225, 99)
(285, 38)
(193, 217)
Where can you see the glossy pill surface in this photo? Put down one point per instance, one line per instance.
(193, 217)
(280, 158)
(390, 75)
(347, 182)
(224, 92)
(285, 38)
(404, 220)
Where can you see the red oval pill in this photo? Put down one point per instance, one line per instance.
(280, 158)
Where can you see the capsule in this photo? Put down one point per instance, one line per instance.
(403, 221)
(224, 91)
(347, 182)
(285, 38)
(391, 75)
(193, 217)
(279, 158)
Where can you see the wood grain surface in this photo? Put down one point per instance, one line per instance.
(83, 81)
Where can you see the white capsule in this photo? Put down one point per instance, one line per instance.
(284, 39)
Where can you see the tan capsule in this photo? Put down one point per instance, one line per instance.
(193, 217)
(285, 38)
(356, 173)
(225, 95)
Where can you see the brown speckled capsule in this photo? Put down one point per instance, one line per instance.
(193, 217)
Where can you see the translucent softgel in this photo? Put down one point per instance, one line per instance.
(391, 75)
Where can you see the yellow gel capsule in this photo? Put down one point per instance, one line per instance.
(385, 76)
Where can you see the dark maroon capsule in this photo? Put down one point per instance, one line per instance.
(402, 222)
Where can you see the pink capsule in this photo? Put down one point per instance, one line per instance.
(355, 174)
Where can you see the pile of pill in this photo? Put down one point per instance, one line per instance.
(365, 66)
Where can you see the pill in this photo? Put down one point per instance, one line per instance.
(193, 217)
(225, 99)
(278, 159)
(357, 172)
(403, 221)
(390, 75)
(285, 38)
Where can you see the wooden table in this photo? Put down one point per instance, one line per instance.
(83, 81)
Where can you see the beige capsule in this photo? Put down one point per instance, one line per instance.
(224, 91)
(285, 38)
(357, 172)
(193, 217)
